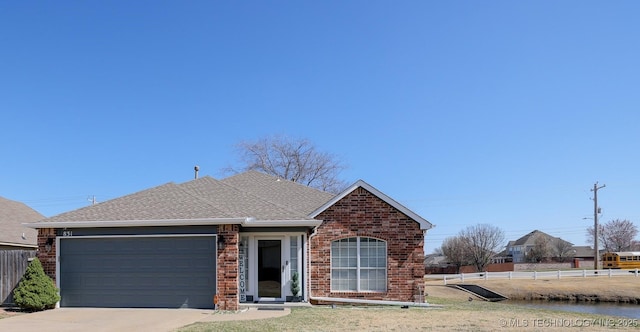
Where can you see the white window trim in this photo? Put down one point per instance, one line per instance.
(358, 268)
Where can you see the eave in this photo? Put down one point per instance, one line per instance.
(245, 222)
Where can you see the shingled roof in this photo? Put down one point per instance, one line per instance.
(12, 232)
(245, 195)
(282, 192)
(530, 238)
(249, 199)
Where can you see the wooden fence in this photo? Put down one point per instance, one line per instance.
(13, 263)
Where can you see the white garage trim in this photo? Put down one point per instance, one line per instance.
(84, 237)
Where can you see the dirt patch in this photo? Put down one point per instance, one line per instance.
(8, 312)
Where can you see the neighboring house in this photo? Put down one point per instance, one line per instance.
(435, 260)
(13, 234)
(582, 252)
(521, 248)
(232, 241)
(17, 245)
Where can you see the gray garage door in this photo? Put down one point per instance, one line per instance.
(138, 272)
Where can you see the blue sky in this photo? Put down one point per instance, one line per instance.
(500, 112)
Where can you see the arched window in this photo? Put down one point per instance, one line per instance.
(359, 264)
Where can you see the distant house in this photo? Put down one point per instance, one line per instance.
(232, 241)
(582, 252)
(13, 234)
(522, 249)
(435, 260)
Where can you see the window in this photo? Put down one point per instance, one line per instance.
(293, 254)
(359, 264)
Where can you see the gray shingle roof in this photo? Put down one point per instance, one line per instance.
(12, 215)
(530, 238)
(583, 251)
(237, 202)
(282, 192)
(249, 194)
(167, 201)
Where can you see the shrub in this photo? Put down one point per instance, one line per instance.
(295, 283)
(36, 290)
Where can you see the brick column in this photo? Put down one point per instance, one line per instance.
(47, 257)
(227, 268)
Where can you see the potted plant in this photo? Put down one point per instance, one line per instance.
(295, 287)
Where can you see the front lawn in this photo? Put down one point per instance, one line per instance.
(454, 316)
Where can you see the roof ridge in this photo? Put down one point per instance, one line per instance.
(191, 193)
(279, 178)
(262, 198)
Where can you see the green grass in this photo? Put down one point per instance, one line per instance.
(453, 316)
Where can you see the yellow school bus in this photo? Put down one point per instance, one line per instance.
(621, 260)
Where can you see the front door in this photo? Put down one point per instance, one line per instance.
(270, 269)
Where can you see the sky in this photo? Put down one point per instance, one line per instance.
(495, 112)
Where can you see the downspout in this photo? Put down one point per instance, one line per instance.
(347, 300)
(308, 283)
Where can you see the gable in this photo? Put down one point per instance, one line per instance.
(424, 224)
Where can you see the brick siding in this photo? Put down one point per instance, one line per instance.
(227, 269)
(361, 213)
(47, 258)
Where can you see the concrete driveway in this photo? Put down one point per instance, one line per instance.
(107, 319)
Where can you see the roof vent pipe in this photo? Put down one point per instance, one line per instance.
(196, 169)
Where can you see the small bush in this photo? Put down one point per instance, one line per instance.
(295, 284)
(36, 290)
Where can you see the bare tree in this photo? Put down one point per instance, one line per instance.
(456, 250)
(562, 249)
(540, 251)
(483, 243)
(615, 235)
(297, 160)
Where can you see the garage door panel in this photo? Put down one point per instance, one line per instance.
(160, 272)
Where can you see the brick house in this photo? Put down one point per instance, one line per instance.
(233, 241)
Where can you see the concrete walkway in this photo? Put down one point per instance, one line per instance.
(107, 319)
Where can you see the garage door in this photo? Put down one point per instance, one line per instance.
(138, 272)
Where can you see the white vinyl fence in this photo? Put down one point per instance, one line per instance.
(462, 277)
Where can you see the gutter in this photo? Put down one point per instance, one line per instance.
(244, 221)
(253, 222)
(134, 223)
(19, 245)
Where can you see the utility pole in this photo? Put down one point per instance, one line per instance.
(596, 209)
